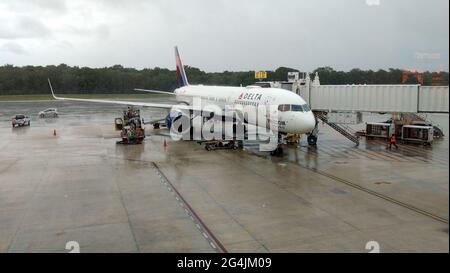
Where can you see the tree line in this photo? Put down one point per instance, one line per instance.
(28, 80)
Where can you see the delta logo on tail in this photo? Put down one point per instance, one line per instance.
(181, 74)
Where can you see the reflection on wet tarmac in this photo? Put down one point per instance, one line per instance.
(80, 185)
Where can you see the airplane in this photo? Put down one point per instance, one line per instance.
(294, 114)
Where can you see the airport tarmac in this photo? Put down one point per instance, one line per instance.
(80, 186)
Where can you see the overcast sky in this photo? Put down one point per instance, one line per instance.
(227, 35)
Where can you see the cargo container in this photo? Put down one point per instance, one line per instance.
(419, 134)
(379, 130)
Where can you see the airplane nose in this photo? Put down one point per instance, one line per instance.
(310, 122)
(302, 123)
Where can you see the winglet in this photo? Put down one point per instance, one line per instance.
(51, 89)
(181, 74)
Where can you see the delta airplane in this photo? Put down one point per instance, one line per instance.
(294, 116)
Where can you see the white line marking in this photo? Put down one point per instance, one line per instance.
(181, 203)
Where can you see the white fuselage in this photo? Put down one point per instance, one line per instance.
(294, 115)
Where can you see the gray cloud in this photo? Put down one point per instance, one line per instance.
(23, 27)
(232, 35)
(101, 31)
(13, 47)
(42, 6)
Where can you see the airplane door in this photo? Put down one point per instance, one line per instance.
(267, 100)
(269, 113)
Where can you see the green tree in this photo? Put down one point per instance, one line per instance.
(25, 80)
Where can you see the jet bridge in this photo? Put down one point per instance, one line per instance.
(336, 100)
(337, 105)
(377, 98)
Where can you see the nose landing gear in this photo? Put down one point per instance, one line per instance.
(312, 139)
(277, 152)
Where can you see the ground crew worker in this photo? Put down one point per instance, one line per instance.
(129, 113)
(392, 141)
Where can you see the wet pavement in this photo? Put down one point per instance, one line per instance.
(80, 186)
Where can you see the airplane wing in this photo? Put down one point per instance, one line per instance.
(176, 107)
(154, 121)
(132, 103)
(155, 91)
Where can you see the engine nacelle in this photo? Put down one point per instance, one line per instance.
(171, 117)
(179, 122)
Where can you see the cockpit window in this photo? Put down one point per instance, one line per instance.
(294, 108)
(297, 108)
(301, 108)
(284, 107)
